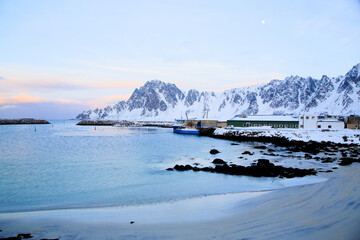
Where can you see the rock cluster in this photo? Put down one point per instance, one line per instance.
(349, 152)
(263, 168)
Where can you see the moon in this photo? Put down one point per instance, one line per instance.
(263, 21)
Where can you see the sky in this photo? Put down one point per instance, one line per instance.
(58, 58)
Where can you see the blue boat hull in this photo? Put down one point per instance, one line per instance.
(186, 131)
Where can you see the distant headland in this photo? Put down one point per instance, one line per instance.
(22, 121)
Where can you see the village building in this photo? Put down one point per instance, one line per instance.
(314, 122)
(353, 122)
(206, 123)
(273, 121)
(222, 124)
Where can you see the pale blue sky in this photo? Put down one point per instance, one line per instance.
(82, 54)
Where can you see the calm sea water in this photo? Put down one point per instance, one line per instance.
(68, 166)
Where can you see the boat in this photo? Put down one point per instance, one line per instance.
(187, 130)
(187, 126)
(178, 124)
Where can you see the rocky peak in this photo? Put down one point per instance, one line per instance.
(151, 96)
(191, 97)
(354, 72)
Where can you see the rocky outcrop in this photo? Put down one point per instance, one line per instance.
(263, 168)
(22, 121)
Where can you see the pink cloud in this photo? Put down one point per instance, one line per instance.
(72, 101)
(56, 84)
(21, 98)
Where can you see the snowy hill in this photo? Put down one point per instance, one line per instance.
(157, 100)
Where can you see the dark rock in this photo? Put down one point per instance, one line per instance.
(187, 167)
(132, 222)
(218, 161)
(196, 169)
(206, 131)
(182, 167)
(263, 162)
(49, 239)
(234, 144)
(170, 169)
(248, 153)
(347, 161)
(214, 151)
(271, 150)
(260, 147)
(270, 154)
(25, 235)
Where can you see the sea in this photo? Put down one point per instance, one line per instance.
(65, 166)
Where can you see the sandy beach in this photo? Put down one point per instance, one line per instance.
(325, 210)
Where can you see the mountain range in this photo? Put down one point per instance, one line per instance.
(160, 101)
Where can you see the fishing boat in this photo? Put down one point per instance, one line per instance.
(185, 126)
(178, 124)
(187, 130)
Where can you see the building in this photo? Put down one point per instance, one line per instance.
(222, 124)
(313, 122)
(308, 122)
(353, 122)
(205, 123)
(272, 121)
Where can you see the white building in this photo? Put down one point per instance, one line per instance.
(308, 122)
(312, 122)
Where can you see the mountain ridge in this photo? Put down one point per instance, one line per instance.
(157, 100)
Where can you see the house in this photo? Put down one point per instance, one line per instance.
(308, 122)
(272, 121)
(313, 122)
(353, 122)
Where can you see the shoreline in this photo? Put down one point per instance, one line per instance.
(325, 210)
(226, 216)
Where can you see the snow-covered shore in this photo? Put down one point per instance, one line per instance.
(325, 210)
(346, 136)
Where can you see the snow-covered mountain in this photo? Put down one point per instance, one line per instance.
(157, 100)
